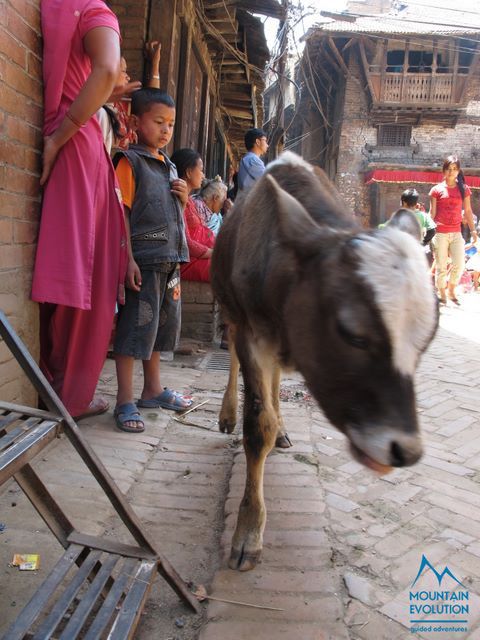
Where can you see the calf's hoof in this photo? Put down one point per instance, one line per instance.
(226, 426)
(283, 441)
(242, 560)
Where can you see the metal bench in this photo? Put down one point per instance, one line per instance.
(98, 586)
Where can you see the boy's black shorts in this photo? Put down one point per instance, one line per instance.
(150, 318)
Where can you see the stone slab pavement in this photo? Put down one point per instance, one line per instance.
(342, 546)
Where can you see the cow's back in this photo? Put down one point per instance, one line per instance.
(253, 270)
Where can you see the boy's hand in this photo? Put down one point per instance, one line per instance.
(121, 91)
(152, 53)
(134, 276)
(180, 189)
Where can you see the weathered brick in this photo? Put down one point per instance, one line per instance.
(12, 48)
(19, 28)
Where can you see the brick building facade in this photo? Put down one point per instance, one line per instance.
(20, 143)
(389, 95)
(213, 56)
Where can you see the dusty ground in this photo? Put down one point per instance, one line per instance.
(342, 546)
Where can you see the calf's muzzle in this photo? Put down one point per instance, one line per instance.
(383, 448)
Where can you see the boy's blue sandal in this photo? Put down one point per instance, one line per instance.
(168, 399)
(128, 412)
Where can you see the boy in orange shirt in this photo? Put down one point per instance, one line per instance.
(154, 198)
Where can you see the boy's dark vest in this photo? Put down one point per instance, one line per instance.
(157, 229)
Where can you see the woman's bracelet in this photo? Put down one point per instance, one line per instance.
(156, 77)
(74, 120)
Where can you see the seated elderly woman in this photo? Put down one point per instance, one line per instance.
(200, 238)
(210, 201)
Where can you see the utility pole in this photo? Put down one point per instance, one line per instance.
(277, 141)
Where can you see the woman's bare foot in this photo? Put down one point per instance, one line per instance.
(442, 296)
(97, 406)
(452, 296)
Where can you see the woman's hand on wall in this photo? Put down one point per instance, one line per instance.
(50, 152)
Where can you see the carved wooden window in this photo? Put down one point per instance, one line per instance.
(395, 61)
(393, 135)
(465, 56)
(420, 61)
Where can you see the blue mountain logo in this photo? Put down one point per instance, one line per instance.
(425, 564)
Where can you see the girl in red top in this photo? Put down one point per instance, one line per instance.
(447, 200)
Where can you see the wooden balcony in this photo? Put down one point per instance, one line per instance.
(426, 90)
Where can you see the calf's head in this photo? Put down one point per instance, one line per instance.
(360, 314)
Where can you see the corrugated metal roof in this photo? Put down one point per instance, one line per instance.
(393, 26)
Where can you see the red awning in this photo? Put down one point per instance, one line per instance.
(426, 177)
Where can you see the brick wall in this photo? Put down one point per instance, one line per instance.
(355, 134)
(132, 17)
(20, 144)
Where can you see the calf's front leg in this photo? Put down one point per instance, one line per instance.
(228, 412)
(259, 433)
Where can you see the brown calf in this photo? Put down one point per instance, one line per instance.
(304, 287)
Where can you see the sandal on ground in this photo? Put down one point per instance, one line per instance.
(283, 441)
(96, 407)
(454, 299)
(128, 412)
(168, 399)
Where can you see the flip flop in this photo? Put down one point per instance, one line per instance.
(168, 399)
(96, 407)
(128, 412)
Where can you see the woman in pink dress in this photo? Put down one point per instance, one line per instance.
(81, 253)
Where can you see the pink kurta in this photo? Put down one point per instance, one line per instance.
(82, 174)
(81, 253)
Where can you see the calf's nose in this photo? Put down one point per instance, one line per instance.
(405, 451)
(387, 446)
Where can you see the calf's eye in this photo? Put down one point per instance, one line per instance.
(354, 340)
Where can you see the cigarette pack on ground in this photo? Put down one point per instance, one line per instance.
(26, 561)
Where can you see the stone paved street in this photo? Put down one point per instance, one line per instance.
(342, 546)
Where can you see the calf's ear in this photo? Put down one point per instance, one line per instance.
(407, 221)
(297, 229)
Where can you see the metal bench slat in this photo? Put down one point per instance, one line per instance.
(11, 436)
(29, 411)
(108, 608)
(48, 626)
(132, 606)
(8, 419)
(34, 607)
(14, 434)
(25, 448)
(89, 599)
